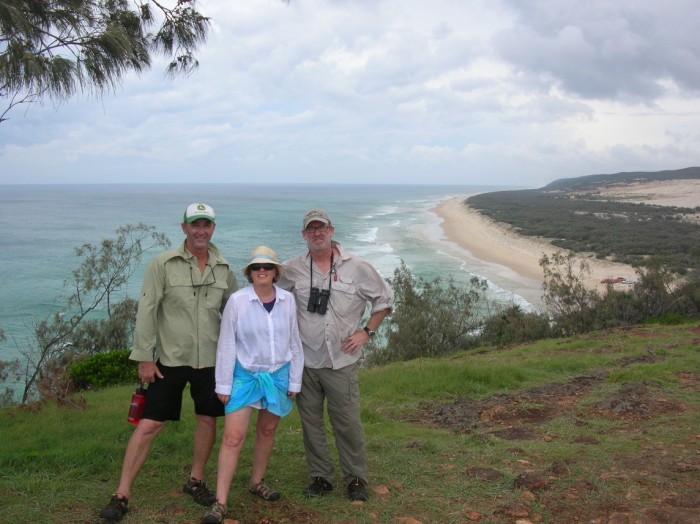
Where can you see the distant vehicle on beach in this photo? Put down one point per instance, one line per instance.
(616, 280)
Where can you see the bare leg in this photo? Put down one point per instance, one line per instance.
(235, 429)
(136, 453)
(264, 441)
(204, 438)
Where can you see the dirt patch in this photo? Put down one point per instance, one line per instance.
(637, 401)
(648, 474)
(532, 406)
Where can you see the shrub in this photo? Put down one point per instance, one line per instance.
(571, 304)
(689, 293)
(116, 331)
(657, 296)
(430, 318)
(669, 319)
(514, 326)
(104, 369)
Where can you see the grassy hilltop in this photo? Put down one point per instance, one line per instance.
(599, 428)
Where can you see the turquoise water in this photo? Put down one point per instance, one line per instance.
(42, 226)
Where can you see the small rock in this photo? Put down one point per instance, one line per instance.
(530, 481)
(514, 510)
(380, 490)
(528, 496)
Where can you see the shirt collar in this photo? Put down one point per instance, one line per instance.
(214, 254)
(252, 295)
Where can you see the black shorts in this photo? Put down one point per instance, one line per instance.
(164, 396)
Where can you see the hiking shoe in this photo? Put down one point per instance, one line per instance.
(199, 491)
(318, 487)
(215, 514)
(357, 490)
(116, 509)
(264, 491)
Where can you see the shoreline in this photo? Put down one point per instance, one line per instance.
(509, 260)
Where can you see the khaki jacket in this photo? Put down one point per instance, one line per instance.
(179, 312)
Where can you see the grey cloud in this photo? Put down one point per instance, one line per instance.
(379, 90)
(620, 49)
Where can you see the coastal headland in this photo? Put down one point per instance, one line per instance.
(511, 260)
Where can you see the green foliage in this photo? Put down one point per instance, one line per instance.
(592, 182)
(116, 331)
(101, 275)
(688, 293)
(433, 318)
(57, 48)
(104, 369)
(105, 268)
(656, 291)
(566, 295)
(575, 309)
(616, 308)
(8, 370)
(620, 231)
(669, 319)
(512, 325)
(430, 317)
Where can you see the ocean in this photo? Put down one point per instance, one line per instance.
(42, 226)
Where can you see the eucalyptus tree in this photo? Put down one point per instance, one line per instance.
(57, 48)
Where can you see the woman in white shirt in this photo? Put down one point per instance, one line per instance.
(259, 363)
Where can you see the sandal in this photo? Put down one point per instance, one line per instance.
(264, 491)
(116, 509)
(215, 514)
(199, 491)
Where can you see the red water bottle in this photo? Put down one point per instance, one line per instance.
(138, 401)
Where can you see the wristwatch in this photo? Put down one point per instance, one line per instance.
(369, 332)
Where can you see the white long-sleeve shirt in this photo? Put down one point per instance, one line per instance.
(258, 340)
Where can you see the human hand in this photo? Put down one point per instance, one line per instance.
(354, 342)
(223, 398)
(148, 372)
(292, 394)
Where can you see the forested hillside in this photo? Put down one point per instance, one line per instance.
(597, 181)
(569, 215)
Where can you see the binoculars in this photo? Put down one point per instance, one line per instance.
(318, 301)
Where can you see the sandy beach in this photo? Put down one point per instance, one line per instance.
(509, 260)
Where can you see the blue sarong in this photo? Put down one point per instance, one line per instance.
(269, 388)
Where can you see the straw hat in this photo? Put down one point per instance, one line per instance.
(263, 255)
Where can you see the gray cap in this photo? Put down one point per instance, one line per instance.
(318, 215)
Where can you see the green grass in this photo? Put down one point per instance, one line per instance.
(61, 464)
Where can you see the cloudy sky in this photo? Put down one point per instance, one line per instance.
(495, 92)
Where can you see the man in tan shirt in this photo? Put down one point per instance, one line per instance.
(332, 290)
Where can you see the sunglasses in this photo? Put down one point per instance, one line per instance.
(258, 267)
(205, 282)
